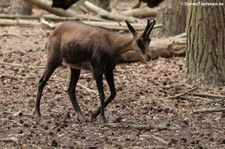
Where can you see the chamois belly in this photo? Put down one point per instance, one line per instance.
(77, 55)
(82, 65)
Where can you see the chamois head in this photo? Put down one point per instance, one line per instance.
(141, 42)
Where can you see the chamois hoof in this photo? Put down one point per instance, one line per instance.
(36, 113)
(101, 119)
(94, 116)
(80, 118)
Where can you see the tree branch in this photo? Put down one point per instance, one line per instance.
(208, 95)
(133, 126)
(210, 110)
(185, 93)
(164, 142)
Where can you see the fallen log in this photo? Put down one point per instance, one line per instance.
(38, 21)
(52, 17)
(21, 22)
(169, 47)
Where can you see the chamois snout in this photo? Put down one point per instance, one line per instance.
(143, 49)
(146, 58)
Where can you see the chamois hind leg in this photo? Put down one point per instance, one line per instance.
(98, 78)
(52, 64)
(110, 80)
(75, 73)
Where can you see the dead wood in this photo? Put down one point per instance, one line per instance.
(47, 6)
(105, 14)
(9, 34)
(208, 95)
(137, 127)
(19, 113)
(210, 110)
(51, 17)
(21, 65)
(118, 25)
(9, 140)
(153, 137)
(185, 93)
(35, 22)
(87, 89)
(169, 47)
(78, 84)
(20, 22)
(140, 12)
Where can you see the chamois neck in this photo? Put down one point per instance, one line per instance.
(122, 43)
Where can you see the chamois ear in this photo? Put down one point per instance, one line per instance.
(132, 30)
(152, 23)
(144, 35)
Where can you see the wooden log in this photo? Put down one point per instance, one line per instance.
(47, 6)
(21, 22)
(52, 17)
(105, 14)
(34, 21)
(141, 12)
(168, 47)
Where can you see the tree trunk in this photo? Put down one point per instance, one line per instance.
(205, 56)
(172, 15)
(21, 7)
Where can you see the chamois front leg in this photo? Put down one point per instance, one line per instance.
(110, 80)
(98, 78)
(75, 73)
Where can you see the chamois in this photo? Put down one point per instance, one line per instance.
(97, 49)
